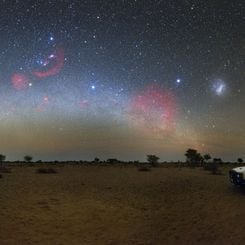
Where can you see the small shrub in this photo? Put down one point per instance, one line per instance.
(46, 171)
(215, 170)
(41, 171)
(112, 161)
(52, 171)
(212, 167)
(144, 169)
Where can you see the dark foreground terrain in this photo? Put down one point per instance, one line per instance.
(120, 205)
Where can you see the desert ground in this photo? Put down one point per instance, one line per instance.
(120, 205)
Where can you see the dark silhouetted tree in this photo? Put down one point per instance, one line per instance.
(193, 157)
(96, 160)
(2, 159)
(240, 160)
(28, 158)
(207, 157)
(152, 160)
(112, 160)
(217, 160)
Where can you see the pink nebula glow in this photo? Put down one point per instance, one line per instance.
(19, 81)
(153, 108)
(84, 104)
(43, 104)
(54, 64)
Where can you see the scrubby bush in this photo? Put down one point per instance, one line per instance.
(46, 171)
(144, 169)
(213, 167)
(113, 161)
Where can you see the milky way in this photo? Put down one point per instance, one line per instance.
(85, 79)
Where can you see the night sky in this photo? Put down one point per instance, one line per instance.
(122, 79)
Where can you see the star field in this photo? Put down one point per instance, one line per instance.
(85, 79)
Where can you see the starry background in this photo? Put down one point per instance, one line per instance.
(122, 79)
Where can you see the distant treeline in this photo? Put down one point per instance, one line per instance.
(184, 163)
(193, 159)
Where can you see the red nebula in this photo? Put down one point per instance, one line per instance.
(55, 63)
(84, 104)
(19, 81)
(154, 108)
(43, 105)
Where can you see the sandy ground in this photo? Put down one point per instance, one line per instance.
(120, 205)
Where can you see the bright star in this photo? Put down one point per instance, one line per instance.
(93, 87)
(46, 99)
(178, 80)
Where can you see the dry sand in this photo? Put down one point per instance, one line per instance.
(120, 205)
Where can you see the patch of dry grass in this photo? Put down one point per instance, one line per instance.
(113, 205)
(46, 171)
(4, 169)
(144, 169)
